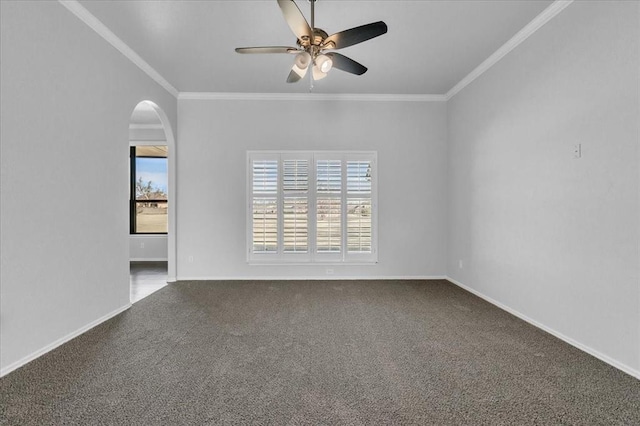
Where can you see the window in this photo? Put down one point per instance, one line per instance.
(311, 207)
(148, 190)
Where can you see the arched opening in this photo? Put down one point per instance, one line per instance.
(151, 201)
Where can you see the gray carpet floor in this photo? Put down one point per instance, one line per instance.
(317, 352)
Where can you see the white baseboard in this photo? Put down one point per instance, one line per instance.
(602, 357)
(148, 259)
(14, 366)
(313, 278)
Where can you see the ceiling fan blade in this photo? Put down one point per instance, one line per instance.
(295, 19)
(267, 49)
(355, 35)
(343, 63)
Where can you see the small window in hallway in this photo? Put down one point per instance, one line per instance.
(149, 190)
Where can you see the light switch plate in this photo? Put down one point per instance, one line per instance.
(577, 150)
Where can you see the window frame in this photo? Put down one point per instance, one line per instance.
(311, 256)
(133, 201)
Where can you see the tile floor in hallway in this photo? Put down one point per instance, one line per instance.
(146, 278)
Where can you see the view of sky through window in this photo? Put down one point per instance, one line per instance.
(153, 170)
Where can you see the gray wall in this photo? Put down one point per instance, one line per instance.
(410, 138)
(553, 237)
(148, 247)
(67, 98)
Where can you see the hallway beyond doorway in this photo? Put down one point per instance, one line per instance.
(146, 278)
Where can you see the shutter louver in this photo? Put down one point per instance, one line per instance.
(265, 225)
(296, 231)
(295, 176)
(265, 177)
(295, 188)
(358, 206)
(358, 177)
(329, 206)
(329, 176)
(359, 225)
(329, 229)
(265, 206)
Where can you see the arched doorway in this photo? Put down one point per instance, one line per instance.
(151, 204)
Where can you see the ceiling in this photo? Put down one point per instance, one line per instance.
(430, 46)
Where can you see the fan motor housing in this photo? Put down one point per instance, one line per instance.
(318, 37)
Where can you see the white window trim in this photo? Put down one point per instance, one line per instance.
(311, 257)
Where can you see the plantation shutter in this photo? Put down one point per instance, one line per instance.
(265, 206)
(312, 207)
(328, 206)
(359, 207)
(295, 209)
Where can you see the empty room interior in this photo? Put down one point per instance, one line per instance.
(320, 212)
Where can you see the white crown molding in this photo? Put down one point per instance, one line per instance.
(95, 24)
(602, 357)
(219, 96)
(550, 12)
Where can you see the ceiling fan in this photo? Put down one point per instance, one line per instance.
(316, 47)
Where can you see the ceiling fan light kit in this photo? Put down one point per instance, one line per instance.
(315, 47)
(324, 63)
